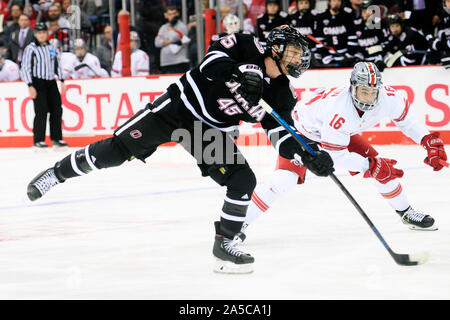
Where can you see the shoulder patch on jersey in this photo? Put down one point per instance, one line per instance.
(258, 45)
(348, 10)
(283, 14)
(260, 16)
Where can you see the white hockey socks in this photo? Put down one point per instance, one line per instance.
(394, 194)
(278, 183)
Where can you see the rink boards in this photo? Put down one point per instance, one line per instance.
(93, 108)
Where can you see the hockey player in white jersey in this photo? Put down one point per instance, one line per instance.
(335, 117)
(81, 64)
(9, 71)
(140, 62)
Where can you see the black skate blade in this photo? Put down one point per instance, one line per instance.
(411, 259)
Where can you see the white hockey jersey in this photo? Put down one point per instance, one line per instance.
(70, 64)
(328, 116)
(140, 64)
(10, 71)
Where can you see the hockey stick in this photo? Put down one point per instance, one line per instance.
(401, 259)
(312, 38)
(84, 65)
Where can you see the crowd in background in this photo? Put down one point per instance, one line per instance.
(340, 33)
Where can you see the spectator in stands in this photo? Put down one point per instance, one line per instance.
(68, 10)
(13, 23)
(247, 24)
(62, 35)
(232, 4)
(419, 13)
(372, 37)
(335, 37)
(105, 52)
(273, 18)
(140, 62)
(9, 71)
(20, 39)
(406, 46)
(55, 15)
(173, 40)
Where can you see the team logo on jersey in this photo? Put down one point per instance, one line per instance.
(136, 134)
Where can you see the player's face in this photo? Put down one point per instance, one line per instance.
(80, 52)
(335, 4)
(133, 45)
(272, 8)
(366, 14)
(303, 5)
(395, 29)
(447, 4)
(366, 94)
(232, 27)
(292, 56)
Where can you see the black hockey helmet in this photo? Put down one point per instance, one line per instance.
(40, 27)
(283, 36)
(365, 4)
(394, 18)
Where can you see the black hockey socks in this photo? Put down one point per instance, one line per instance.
(101, 154)
(240, 186)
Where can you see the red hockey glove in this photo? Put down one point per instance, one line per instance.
(435, 148)
(383, 170)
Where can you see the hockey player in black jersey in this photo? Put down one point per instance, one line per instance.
(372, 36)
(440, 45)
(304, 20)
(211, 99)
(273, 18)
(406, 45)
(336, 36)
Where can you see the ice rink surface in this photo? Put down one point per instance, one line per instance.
(145, 231)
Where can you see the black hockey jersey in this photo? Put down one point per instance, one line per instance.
(264, 24)
(208, 93)
(412, 43)
(337, 32)
(442, 40)
(372, 40)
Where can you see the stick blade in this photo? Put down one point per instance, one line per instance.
(411, 259)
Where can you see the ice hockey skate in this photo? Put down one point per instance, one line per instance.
(229, 259)
(42, 183)
(417, 221)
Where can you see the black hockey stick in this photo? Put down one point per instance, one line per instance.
(401, 259)
(84, 65)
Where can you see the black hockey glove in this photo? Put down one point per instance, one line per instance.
(250, 77)
(321, 164)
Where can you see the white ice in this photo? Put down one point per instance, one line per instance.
(145, 231)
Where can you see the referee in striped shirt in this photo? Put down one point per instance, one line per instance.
(40, 65)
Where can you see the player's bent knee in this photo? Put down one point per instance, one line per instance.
(283, 181)
(242, 181)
